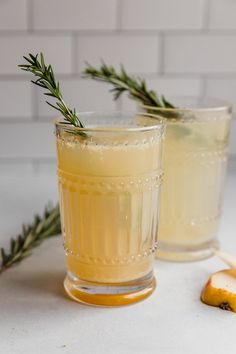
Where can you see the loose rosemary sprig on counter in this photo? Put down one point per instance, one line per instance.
(122, 82)
(32, 236)
(46, 79)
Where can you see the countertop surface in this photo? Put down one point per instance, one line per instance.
(37, 317)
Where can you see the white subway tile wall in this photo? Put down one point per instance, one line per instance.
(225, 88)
(74, 14)
(202, 54)
(184, 47)
(162, 14)
(16, 100)
(86, 94)
(139, 54)
(13, 15)
(222, 14)
(57, 49)
(31, 140)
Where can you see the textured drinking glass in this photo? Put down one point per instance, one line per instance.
(194, 164)
(109, 178)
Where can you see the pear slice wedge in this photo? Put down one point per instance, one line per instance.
(220, 289)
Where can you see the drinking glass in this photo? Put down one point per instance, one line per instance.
(109, 179)
(194, 164)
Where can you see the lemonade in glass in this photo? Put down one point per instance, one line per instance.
(194, 164)
(109, 181)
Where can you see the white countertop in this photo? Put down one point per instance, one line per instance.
(36, 317)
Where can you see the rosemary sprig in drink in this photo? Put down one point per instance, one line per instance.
(122, 82)
(137, 90)
(32, 236)
(46, 79)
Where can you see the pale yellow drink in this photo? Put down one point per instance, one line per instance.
(194, 164)
(109, 190)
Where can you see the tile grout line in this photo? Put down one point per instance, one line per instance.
(30, 16)
(30, 25)
(28, 160)
(26, 120)
(74, 55)
(34, 103)
(161, 53)
(111, 32)
(119, 8)
(206, 16)
(172, 75)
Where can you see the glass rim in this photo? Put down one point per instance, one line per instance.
(219, 106)
(160, 124)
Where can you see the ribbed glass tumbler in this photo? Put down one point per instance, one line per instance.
(109, 177)
(194, 164)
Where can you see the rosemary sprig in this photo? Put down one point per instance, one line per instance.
(32, 235)
(46, 79)
(122, 82)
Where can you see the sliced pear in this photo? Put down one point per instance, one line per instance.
(220, 290)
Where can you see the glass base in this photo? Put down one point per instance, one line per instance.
(186, 253)
(99, 294)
